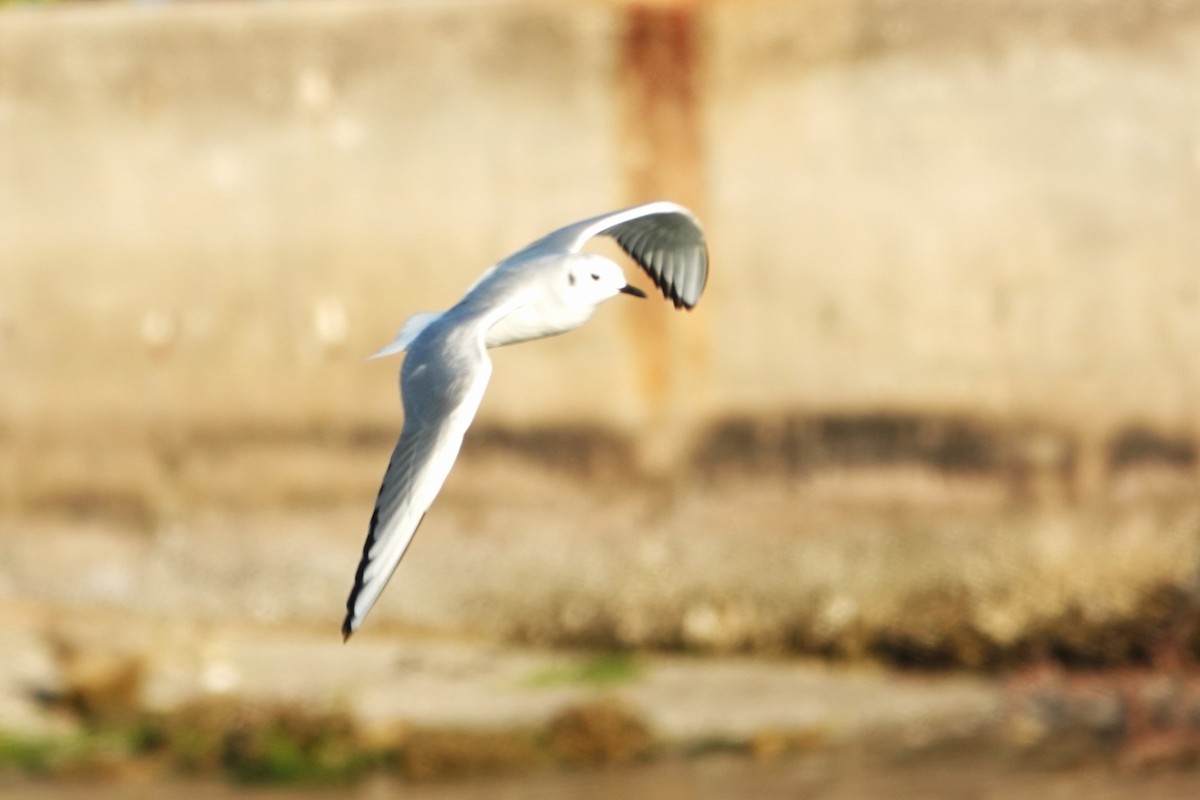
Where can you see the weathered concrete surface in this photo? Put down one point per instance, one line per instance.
(953, 211)
(980, 205)
(903, 567)
(209, 213)
(775, 711)
(435, 682)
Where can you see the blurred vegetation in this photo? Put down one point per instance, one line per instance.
(282, 743)
(604, 669)
(601, 732)
(249, 743)
(276, 743)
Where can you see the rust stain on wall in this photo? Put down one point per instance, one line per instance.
(662, 158)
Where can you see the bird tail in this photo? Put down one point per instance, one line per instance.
(409, 331)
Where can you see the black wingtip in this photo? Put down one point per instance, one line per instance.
(670, 248)
(348, 625)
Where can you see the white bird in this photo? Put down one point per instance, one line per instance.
(547, 288)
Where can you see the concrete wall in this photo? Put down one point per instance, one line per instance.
(210, 213)
(981, 205)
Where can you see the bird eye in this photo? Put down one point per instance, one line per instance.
(595, 277)
(571, 278)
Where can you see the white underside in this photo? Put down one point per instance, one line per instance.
(523, 324)
(534, 322)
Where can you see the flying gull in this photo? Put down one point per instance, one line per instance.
(547, 288)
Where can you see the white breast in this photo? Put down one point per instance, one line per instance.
(536, 321)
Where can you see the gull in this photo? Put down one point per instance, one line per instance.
(547, 288)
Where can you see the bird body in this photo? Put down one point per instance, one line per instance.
(545, 289)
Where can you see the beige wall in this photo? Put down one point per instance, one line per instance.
(977, 205)
(209, 214)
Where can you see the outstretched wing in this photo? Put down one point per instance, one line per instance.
(664, 238)
(442, 383)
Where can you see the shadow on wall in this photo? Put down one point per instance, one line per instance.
(1034, 460)
(1035, 463)
(1021, 463)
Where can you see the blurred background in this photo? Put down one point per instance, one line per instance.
(906, 507)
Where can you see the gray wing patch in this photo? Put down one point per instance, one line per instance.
(664, 238)
(442, 383)
(670, 248)
(410, 452)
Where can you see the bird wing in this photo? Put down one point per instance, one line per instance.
(664, 238)
(442, 383)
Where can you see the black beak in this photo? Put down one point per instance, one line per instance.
(633, 290)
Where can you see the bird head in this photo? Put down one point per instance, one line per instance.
(591, 279)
